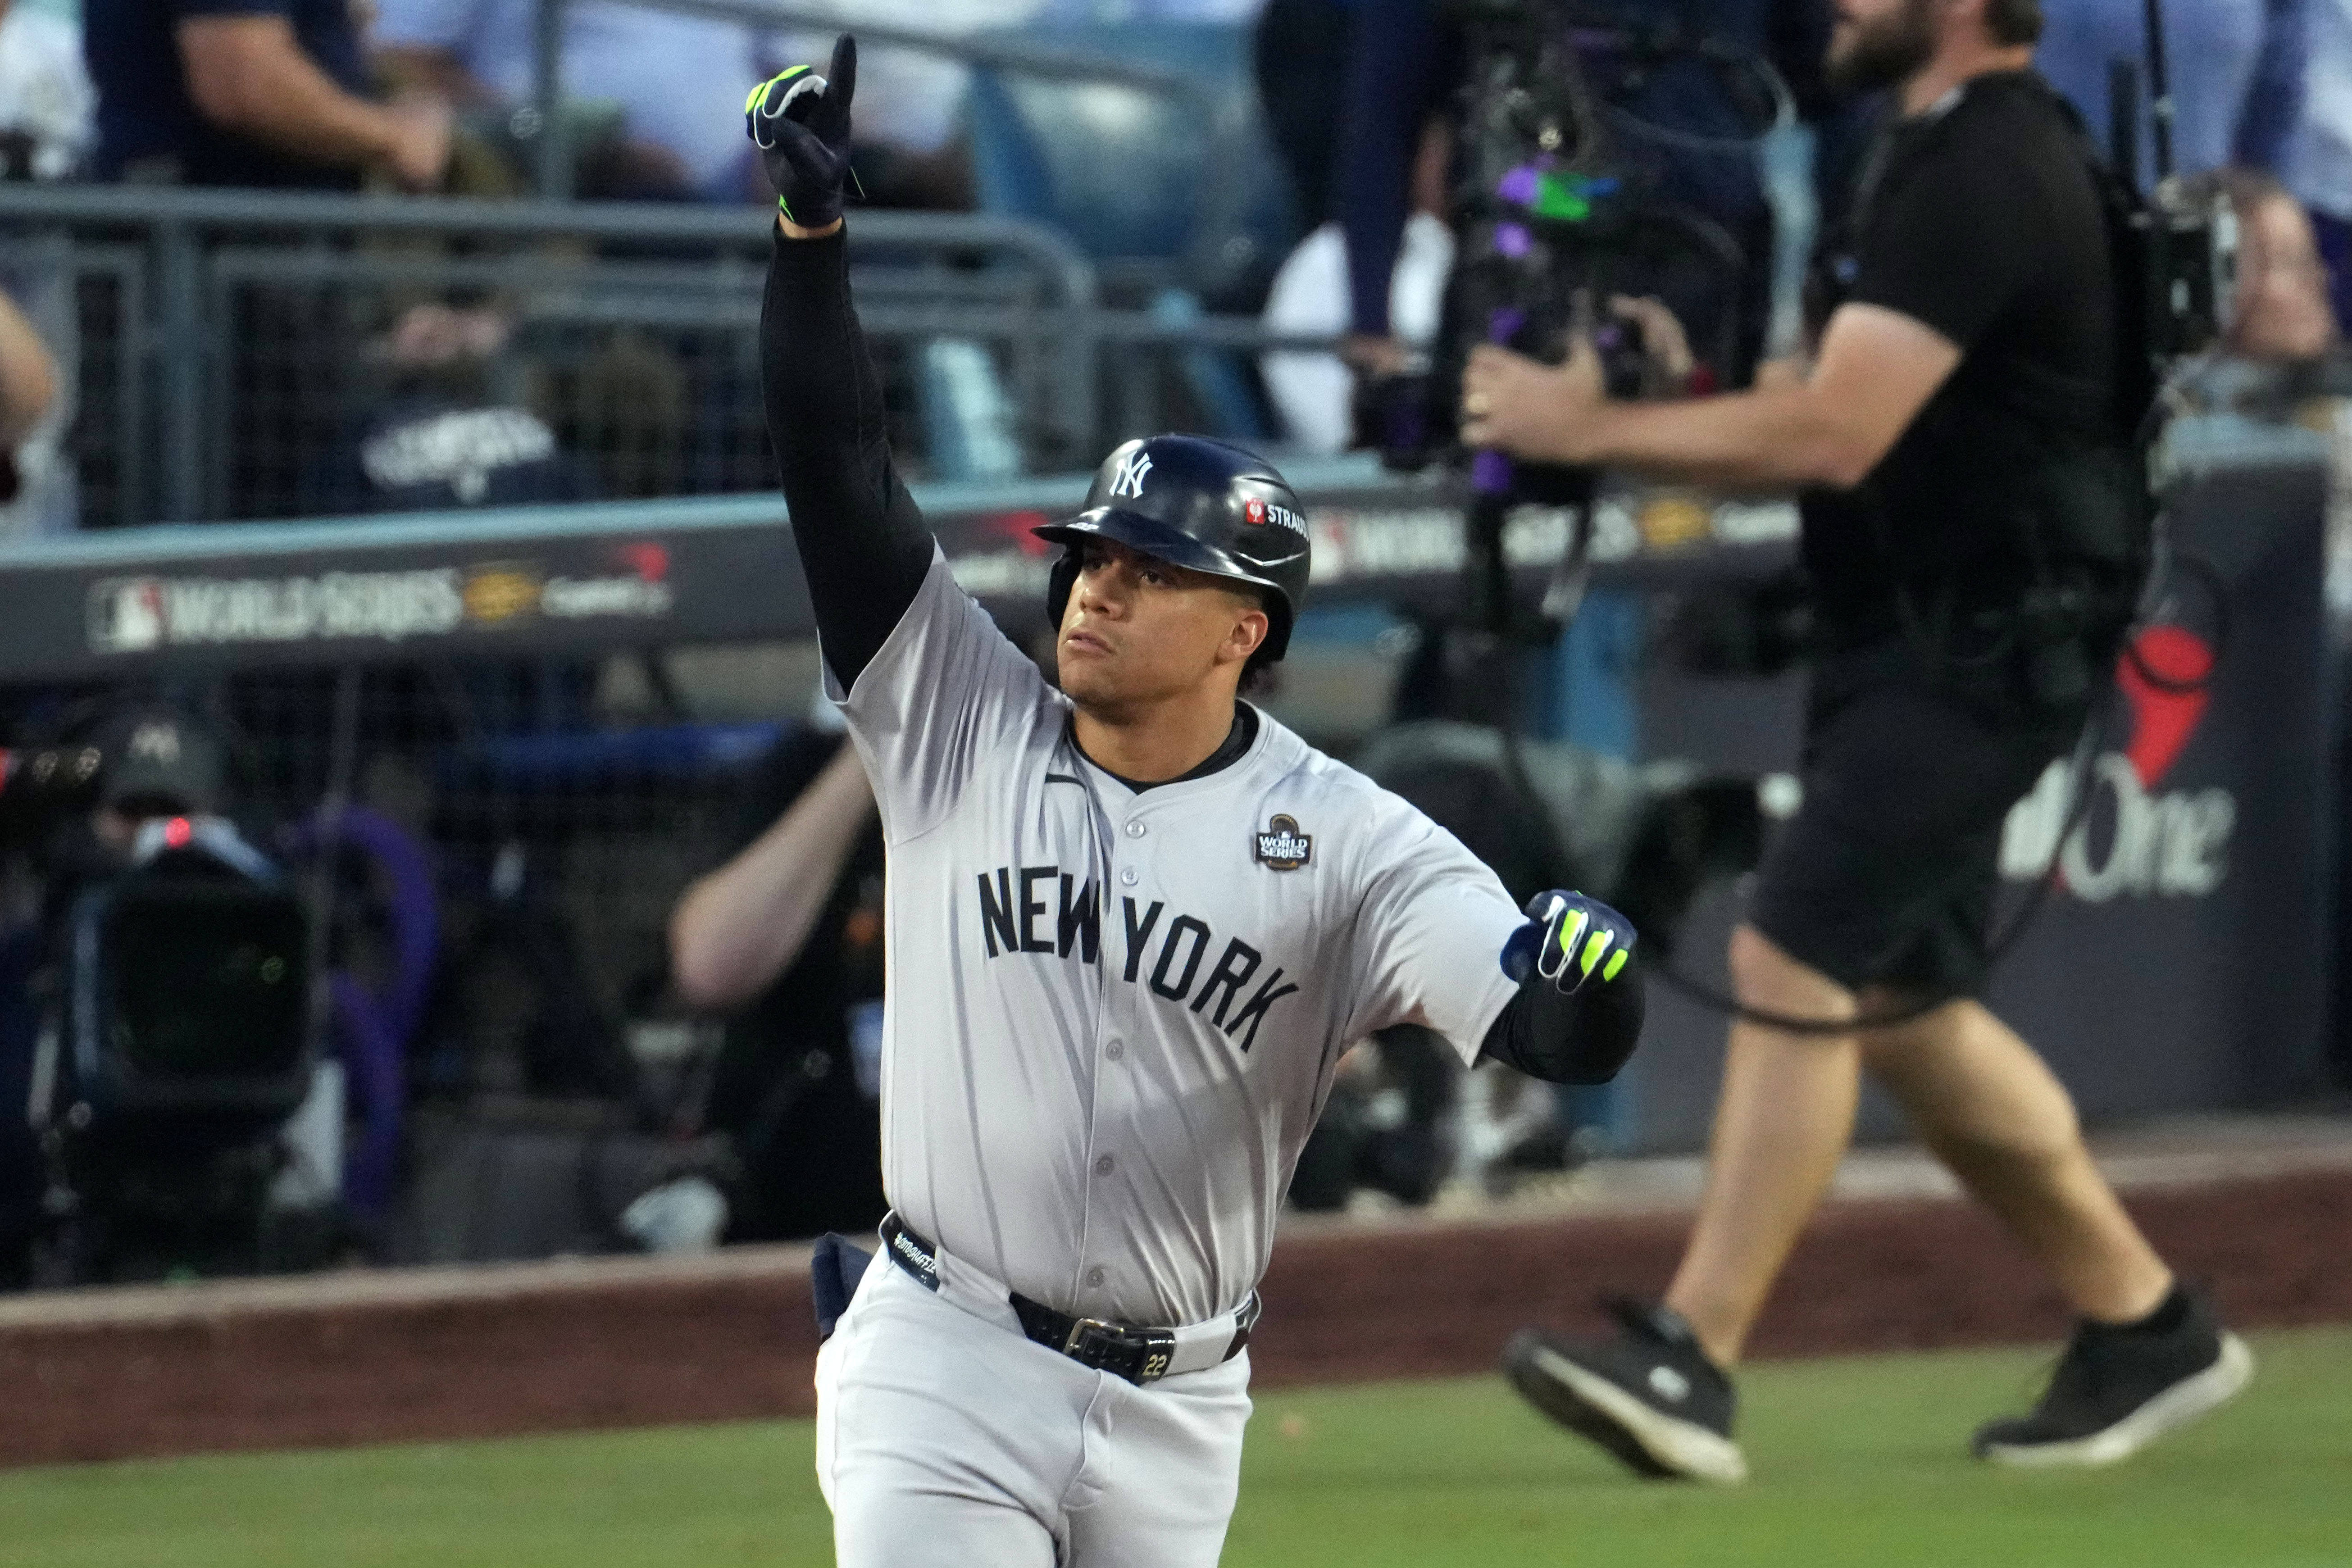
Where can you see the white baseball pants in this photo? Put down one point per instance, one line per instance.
(945, 1438)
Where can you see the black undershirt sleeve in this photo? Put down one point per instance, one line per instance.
(1584, 1038)
(863, 543)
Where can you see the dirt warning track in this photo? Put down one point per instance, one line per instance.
(452, 1354)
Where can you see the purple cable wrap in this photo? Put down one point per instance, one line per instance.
(374, 1031)
(1513, 240)
(1520, 186)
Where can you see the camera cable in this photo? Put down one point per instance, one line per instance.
(2079, 797)
(1566, 598)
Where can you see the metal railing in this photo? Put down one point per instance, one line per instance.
(229, 341)
(195, 303)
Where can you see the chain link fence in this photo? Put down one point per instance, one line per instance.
(252, 356)
(564, 806)
(259, 355)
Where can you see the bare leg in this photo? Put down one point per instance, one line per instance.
(1781, 1126)
(1991, 1110)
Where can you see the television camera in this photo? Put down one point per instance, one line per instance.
(171, 1002)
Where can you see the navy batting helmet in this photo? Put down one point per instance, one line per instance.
(1201, 504)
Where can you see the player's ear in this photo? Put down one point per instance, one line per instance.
(1249, 631)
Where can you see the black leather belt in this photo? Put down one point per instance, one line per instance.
(1138, 1354)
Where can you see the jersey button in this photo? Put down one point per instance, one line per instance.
(1102, 1166)
(1127, 878)
(1095, 1278)
(1135, 830)
(1116, 1049)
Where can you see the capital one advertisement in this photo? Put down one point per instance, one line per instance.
(2180, 958)
(2179, 961)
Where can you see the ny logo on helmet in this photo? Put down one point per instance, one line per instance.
(1128, 480)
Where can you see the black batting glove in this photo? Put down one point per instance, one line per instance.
(1571, 941)
(800, 123)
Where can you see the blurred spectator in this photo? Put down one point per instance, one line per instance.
(2281, 311)
(47, 103)
(2280, 321)
(248, 92)
(28, 386)
(1313, 393)
(2319, 155)
(46, 106)
(439, 433)
(788, 937)
(1402, 69)
(912, 150)
(39, 489)
(2236, 68)
(1299, 51)
(678, 82)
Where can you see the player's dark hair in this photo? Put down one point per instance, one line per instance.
(2013, 21)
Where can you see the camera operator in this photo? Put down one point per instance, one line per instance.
(158, 761)
(1970, 525)
(786, 938)
(166, 990)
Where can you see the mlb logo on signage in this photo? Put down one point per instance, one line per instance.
(126, 615)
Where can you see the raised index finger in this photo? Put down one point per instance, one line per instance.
(841, 76)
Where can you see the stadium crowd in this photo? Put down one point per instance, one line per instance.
(437, 97)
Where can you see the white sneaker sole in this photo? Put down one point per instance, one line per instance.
(2177, 1406)
(1684, 1447)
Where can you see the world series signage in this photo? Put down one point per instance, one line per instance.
(587, 579)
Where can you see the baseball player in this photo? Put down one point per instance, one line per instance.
(1131, 925)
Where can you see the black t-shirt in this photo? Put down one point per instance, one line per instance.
(790, 1086)
(1980, 220)
(147, 125)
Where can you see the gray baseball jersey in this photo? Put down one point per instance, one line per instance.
(1113, 1017)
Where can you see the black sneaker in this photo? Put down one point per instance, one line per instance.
(2117, 1390)
(1650, 1397)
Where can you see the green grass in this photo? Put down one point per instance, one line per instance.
(1857, 1461)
